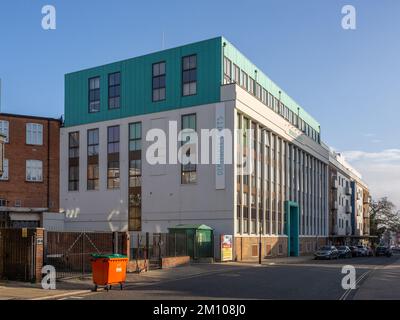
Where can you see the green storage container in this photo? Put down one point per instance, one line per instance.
(200, 239)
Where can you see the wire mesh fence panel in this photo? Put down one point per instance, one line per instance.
(70, 252)
(155, 246)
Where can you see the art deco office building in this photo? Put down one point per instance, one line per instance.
(107, 182)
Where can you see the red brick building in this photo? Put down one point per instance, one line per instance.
(29, 185)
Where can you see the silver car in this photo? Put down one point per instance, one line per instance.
(327, 252)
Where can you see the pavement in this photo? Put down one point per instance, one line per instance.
(278, 278)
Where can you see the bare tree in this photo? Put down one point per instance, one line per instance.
(383, 217)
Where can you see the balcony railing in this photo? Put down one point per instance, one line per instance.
(349, 208)
(348, 191)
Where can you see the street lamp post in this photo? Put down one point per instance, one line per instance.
(259, 242)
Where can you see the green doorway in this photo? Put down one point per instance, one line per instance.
(292, 227)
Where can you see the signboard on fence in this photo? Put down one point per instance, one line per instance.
(226, 247)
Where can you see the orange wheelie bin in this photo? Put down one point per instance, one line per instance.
(108, 270)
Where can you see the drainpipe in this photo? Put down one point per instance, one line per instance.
(48, 163)
(223, 63)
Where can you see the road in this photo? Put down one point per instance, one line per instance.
(307, 280)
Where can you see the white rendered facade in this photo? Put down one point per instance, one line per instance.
(301, 176)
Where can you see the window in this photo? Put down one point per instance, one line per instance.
(114, 90)
(73, 161)
(159, 76)
(264, 97)
(135, 165)
(4, 129)
(254, 250)
(270, 100)
(5, 170)
(93, 159)
(34, 134)
(227, 71)
(189, 75)
(94, 94)
(258, 91)
(251, 85)
(113, 178)
(135, 175)
(244, 79)
(189, 171)
(34, 169)
(236, 74)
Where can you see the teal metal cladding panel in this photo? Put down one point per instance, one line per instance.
(246, 65)
(136, 84)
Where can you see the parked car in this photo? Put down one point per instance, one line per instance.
(362, 251)
(344, 252)
(396, 250)
(327, 252)
(370, 252)
(383, 251)
(354, 251)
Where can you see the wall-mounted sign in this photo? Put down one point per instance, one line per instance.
(39, 241)
(24, 232)
(226, 247)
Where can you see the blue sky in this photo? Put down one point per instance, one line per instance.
(347, 79)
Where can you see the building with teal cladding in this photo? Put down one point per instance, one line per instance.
(136, 83)
(107, 182)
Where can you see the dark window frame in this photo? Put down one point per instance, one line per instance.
(113, 158)
(93, 161)
(134, 193)
(75, 161)
(89, 95)
(189, 70)
(110, 87)
(192, 167)
(164, 75)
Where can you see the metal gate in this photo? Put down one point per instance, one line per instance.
(152, 247)
(17, 254)
(70, 252)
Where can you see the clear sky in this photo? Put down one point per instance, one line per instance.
(347, 79)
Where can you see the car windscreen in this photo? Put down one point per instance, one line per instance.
(341, 248)
(325, 248)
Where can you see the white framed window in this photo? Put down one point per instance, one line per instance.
(5, 170)
(34, 170)
(4, 129)
(34, 134)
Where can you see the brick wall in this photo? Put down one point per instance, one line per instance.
(172, 262)
(246, 248)
(308, 245)
(133, 265)
(32, 194)
(39, 254)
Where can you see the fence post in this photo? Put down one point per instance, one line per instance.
(147, 250)
(175, 244)
(127, 243)
(38, 256)
(115, 242)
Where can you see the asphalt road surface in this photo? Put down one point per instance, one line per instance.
(307, 280)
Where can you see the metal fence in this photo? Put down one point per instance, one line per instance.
(17, 254)
(154, 246)
(70, 252)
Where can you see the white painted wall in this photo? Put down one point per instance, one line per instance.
(165, 202)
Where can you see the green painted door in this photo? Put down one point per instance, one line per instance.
(292, 222)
